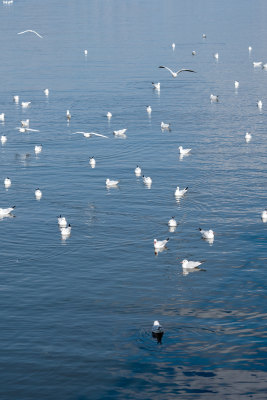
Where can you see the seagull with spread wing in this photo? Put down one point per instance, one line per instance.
(175, 74)
(89, 134)
(29, 30)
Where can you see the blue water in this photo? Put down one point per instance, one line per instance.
(76, 314)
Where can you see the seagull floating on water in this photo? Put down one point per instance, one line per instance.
(194, 53)
(92, 162)
(216, 56)
(156, 85)
(148, 109)
(264, 215)
(65, 231)
(259, 104)
(16, 99)
(120, 132)
(38, 194)
(157, 331)
(160, 244)
(68, 115)
(249, 48)
(173, 46)
(147, 180)
(191, 264)
(25, 104)
(3, 139)
(214, 98)
(7, 182)
(204, 36)
(175, 74)
(236, 84)
(248, 137)
(172, 222)
(257, 64)
(38, 149)
(2, 117)
(137, 171)
(180, 192)
(163, 126)
(25, 123)
(207, 234)
(110, 182)
(109, 115)
(85, 52)
(184, 151)
(62, 222)
(6, 211)
(31, 31)
(46, 92)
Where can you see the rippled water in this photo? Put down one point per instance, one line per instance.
(77, 313)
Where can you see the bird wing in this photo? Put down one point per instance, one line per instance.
(162, 66)
(184, 69)
(81, 133)
(29, 30)
(32, 130)
(98, 134)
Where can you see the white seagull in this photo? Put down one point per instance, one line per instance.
(214, 98)
(120, 133)
(216, 56)
(264, 215)
(38, 149)
(16, 99)
(2, 117)
(65, 231)
(259, 104)
(6, 211)
(147, 180)
(110, 182)
(38, 194)
(183, 151)
(236, 84)
(248, 137)
(173, 46)
(249, 48)
(46, 92)
(62, 222)
(90, 134)
(7, 183)
(172, 222)
(175, 74)
(207, 234)
(25, 123)
(3, 139)
(109, 115)
(137, 171)
(85, 52)
(157, 331)
(29, 30)
(264, 66)
(160, 244)
(180, 192)
(194, 53)
(191, 264)
(257, 64)
(25, 104)
(156, 85)
(149, 109)
(204, 35)
(92, 162)
(68, 115)
(163, 126)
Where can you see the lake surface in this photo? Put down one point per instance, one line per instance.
(76, 313)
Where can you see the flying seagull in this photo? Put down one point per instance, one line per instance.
(89, 134)
(174, 74)
(29, 30)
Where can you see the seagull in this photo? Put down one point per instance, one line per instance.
(68, 115)
(16, 99)
(29, 30)
(137, 171)
(236, 84)
(38, 194)
(173, 46)
(62, 222)
(214, 98)
(264, 66)
(110, 183)
(92, 162)
(3, 139)
(172, 222)
(109, 115)
(160, 244)
(65, 231)
(120, 132)
(156, 85)
(257, 64)
(147, 180)
(90, 134)
(85, 52)
(23, 129)
(2, 117)
(157, 331)
(163, 126)
(25, 104)
(259, 104)
(248, 137)
(249, 48)
(204, 36)
(25, 123)
(46, 92)
(180, 192)
(7, 183)
(264, 214)
(174, 74)
(148, 109)
(6, 211)
(207, 234)
(216, 56)
(194, 53)
(192, 265)
(183, 151)
(38, 149)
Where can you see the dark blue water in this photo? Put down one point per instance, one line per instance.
(76, 314)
